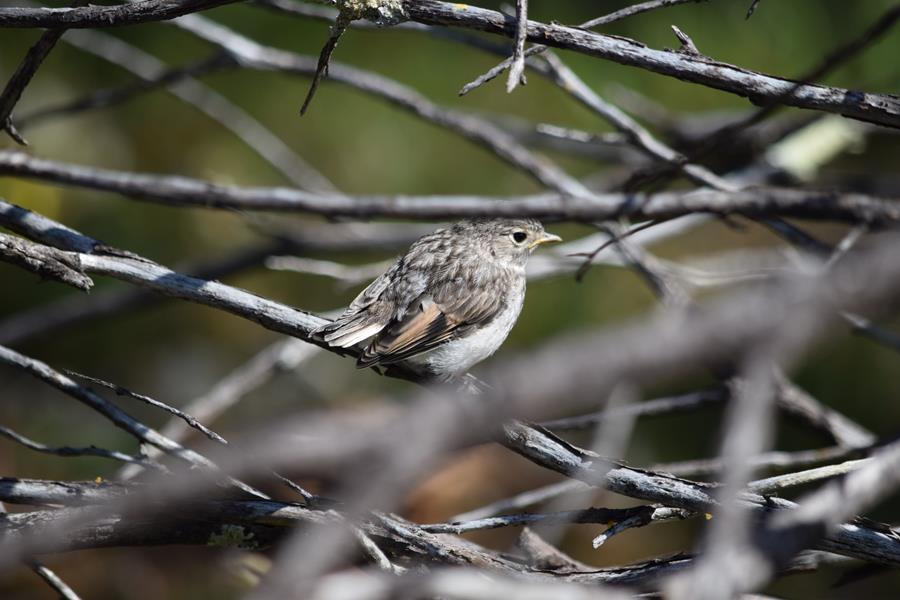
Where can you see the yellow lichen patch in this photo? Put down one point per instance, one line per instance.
(232, 536)
(384, 8)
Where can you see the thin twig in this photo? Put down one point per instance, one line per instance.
(649, 408)
(522, 500)
(283, 355)
(659, 514)
(23, 75)
(753, 8)
(603, 516)
(780, 482)
(117, 416)
(337, 30)
(634, 9)
(778, 460)
(613, 239)
(618, 15)
(121, 391)
(517, 66)
(54, 581)
(76, 451)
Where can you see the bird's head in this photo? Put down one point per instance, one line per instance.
(511, 240)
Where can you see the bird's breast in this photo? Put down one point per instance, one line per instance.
(457, 356)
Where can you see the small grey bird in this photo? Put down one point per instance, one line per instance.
(448, 303)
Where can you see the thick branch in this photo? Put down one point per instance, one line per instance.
(184, 191)
(883, 109)
(104, 16)
(257, 524)
(44, 261)
(849, 540)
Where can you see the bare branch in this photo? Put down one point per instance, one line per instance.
(183, 191)
(787, 532)
(780, 482)
(753, 8)
(882, 109)
(53, 580)
(824, 509)
(23, 75)
(877, 108)
(250, 54)
(69, 310)
(768, 460)
(72, 451)
(642, 139)
(104, 16)
(648, 408)
(341, 23)
(860, 542)
(121, 391)
(38, 492)
(152, 73)
(38, 228)
(834, 59)
(865, 327)
(534, 50)
(44, 261)
(605, 516)
(543, 555)
(347, 275)
(517, 68)
(659, 514)
(842, 430)
(284, 355)
(523, 500)
(634, 9)
(116, 415)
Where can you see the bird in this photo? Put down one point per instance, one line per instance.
(445, 305)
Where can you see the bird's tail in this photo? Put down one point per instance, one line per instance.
(346, 334)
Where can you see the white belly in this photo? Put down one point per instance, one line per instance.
(458, 356)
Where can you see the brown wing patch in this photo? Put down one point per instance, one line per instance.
(426, 325)
(365, 316)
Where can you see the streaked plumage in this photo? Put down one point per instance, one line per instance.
(446, 304)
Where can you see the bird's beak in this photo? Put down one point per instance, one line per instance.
(545, 239)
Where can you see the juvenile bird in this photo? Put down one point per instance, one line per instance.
(448, 303)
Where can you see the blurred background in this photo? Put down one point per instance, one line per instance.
(175, 351)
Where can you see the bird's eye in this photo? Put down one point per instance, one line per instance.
(519, 237)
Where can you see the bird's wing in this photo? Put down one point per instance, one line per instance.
(430, 320)
(363, 318)
(374, 290)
